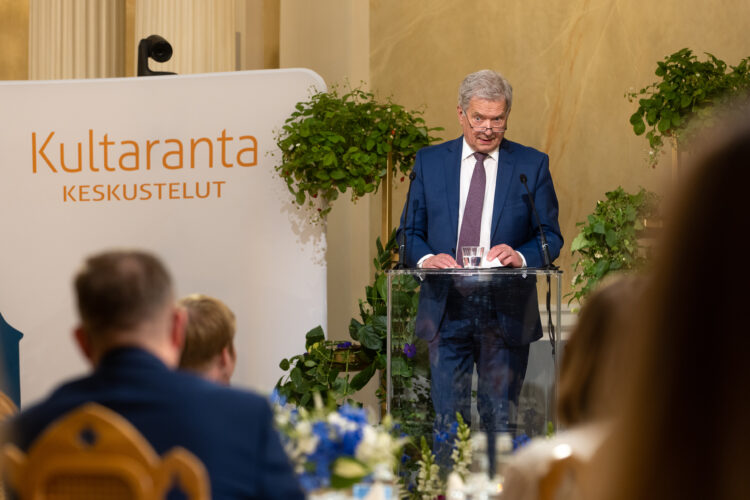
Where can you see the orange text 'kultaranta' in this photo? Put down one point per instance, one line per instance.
(102, 153)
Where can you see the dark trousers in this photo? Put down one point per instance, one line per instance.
(470, 335)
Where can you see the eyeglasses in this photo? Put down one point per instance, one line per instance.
(494, 128)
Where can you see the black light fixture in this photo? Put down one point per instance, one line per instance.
(156, 48)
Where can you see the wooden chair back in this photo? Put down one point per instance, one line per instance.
(7, 409)
(7, 406)
(92, 452)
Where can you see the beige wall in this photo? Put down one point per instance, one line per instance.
(570, 63)
(14, 39)
(331, 38)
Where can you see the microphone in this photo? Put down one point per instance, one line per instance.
(545, 249)
(402, 247)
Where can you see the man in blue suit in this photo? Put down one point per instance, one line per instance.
(132, 332)
(468, 192)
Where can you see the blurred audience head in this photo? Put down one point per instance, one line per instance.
(125, 298)
(209, 338)
(684, 431)
(590, 360)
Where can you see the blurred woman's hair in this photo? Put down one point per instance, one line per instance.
(589, 363)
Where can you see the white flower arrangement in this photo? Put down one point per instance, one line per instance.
(336, 447)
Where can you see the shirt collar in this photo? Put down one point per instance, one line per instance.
(466, 151)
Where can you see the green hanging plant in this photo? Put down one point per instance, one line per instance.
(334, 143)
(688, 89)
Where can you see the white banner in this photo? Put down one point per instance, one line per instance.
(178, 165)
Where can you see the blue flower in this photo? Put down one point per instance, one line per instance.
(520, 441)
(410, 350)
(343, 345)
(277, 398)
(350, 440)
(442, 437)
(354, 414)
(454, 427)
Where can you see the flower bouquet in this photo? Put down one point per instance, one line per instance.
(336, 447)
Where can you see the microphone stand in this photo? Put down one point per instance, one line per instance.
(547, 265)
(402, 247)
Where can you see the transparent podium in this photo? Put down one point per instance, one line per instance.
(474, 341)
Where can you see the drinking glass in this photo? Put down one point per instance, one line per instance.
(472, 256)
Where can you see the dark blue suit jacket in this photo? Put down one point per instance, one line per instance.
(430, 226)
(229, 430)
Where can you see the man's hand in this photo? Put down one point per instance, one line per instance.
(440, 261)
(506, 255)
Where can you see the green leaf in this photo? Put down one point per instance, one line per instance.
(338, 174)
(381, 285)
(369, 338)
(296, 376)
(664, 125)
(305, 399)
(315, 335)
(601, 268)
(611, 238)
(360, 380)
(579, 242)
(347, 471)
(639, 128)
(400, 367)
(354, 326)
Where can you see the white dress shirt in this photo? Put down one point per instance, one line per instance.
(468, 162)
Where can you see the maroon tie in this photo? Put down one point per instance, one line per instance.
(471, 224)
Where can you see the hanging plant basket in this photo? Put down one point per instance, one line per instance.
(335, 143)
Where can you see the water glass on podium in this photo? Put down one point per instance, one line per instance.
(472, 257)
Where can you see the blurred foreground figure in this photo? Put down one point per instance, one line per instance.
(591, 361)
(684, 427)
(132, 332)
(209, 339)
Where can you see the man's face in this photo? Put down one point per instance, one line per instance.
(479, 114)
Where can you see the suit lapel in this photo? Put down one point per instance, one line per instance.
(505, 169)
(452, 168)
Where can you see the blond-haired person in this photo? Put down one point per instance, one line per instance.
(209, 338)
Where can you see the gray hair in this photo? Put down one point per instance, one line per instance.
(485, 84)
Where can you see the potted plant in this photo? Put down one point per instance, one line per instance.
(688, 88)
(338, 142)
(609, 239)
(326, 368)
(326, 365)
